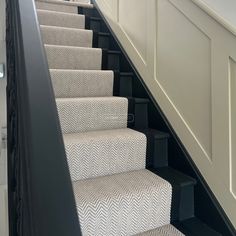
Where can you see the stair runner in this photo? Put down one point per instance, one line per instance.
(115, 194)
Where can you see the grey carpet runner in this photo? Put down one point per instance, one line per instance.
(115, 194)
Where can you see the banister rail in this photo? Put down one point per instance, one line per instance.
(41, 200)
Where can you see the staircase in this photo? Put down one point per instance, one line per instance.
(118, 165)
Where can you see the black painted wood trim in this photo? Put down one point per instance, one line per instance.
(41, 199)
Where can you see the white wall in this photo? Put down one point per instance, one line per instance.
(188, 61)
(3, 186)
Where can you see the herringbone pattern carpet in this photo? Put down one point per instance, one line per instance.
(61, 19)
(123, 204)
(82, 83)
(104, 152)
(66, 36)
(114, 193)
(87, 114)
(167, 230)
(73, 58)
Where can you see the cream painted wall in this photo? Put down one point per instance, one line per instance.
(188, 61)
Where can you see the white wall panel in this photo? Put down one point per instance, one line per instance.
(183, 54)
(130, 18)
(184, 69)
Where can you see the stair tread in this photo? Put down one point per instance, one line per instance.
(87, 114)
(140, 100)
(155, 133)
(104, 152)
(176, 178)
(123, 204)
(66, 36)
(61, 19)
(82, 83)
(75, 58)
(103, 33)
(195, 227)
(166, 230)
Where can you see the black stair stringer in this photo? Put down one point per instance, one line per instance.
(138, 113)
(101, 40)
(123, 84)
(90, 12)
(96, 24)
(111, 60)
(206, 207)
(195, 227)
(182, 192)
(157, 148)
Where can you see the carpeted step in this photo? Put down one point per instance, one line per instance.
(82, 83)
(167, 230)
(80, 1)
(123, 204)
(61, 19)
(66, 36)
(106, 152)
(90, 114)
(74, 58)
(61, 6)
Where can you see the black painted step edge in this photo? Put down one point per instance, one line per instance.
(138, 113)
(157, 148)
(195, 227)
(182, 192)
(228, 228)
(123, 84)
(87, 11)
(101, 40)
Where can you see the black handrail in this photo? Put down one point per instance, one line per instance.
(41, 200)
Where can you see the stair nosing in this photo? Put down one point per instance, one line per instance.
(66, 28)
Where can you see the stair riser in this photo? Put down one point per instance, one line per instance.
(122, 151)
(123, 204)
(56, 7)
(66, 37)
(73, 58)
(136, 117)
(90, 114)
(72, 84)
(61, 19)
